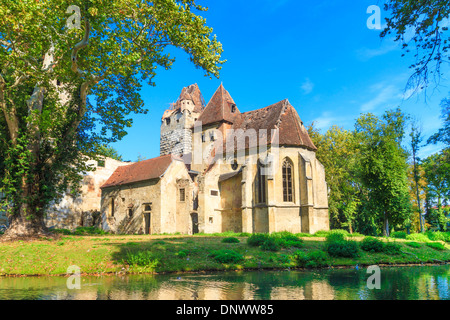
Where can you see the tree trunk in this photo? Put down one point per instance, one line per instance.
(23, 227)
(386, 226)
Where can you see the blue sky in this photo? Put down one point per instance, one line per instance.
(318, 54)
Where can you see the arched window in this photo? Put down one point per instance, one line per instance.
(288, 189)
(261, 184)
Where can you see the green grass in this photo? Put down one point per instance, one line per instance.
(135, 254)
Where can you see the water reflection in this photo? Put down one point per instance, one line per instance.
(411, 283)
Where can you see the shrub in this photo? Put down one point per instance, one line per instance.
(323, 233)
(419, 237)
(257, 239)
(392, 248)
(230, 240)
(342, 248)
(141, 258)
(355, 234)
(436, 236)
(226, 256)
(335, 236)
(399, 235)
(271, 244)
(287, 239)
(372, 244)
(414, 244)
(183, 253)
(313, 259)
(436, 245)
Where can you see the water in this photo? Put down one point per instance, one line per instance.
(404, 283)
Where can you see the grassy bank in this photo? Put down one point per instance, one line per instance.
(100, 254)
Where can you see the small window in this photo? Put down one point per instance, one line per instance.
(211, 220)
(233, 108)
(182, 195)
(211, 136)
(214, 193)
(234, 165)
(203, 138)
(167, 121)
(130, 213)
(112, 207)
(147, 207)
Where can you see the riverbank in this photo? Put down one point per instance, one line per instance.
(110, 254)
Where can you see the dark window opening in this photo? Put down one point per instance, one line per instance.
(287, 182)
(182, 195)
(234, 165)
(233, 108)
(203, 138)
(167, 121)
(214, 193)
(261, 185)
(112, 207)
(130, 213)
(147, 207)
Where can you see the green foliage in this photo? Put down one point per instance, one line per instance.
(392, 249)
(335, 235)
(141, 258)
(271, 244)
(230, 240)
(312, 259)
(45, 142)
(84, 231)
(372, 244)
(398, 235)
(257, 239)
(414, 244)
(182, 254)
(419, 237)
(345, 249)
(287, 240)
(436, 245)
(226, 256)
(437, 236)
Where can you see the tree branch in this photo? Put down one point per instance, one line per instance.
(80, 45)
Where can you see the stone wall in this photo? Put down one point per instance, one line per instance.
(84, 210)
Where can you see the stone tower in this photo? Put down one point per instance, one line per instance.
(176, 123)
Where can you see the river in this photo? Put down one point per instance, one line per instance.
(396, 283)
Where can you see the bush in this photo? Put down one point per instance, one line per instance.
(81, 231)
(436, 245)
(419, 237)
(287, 240)
(271, 244)
(414, 244)
(313, 259)
(141, 258)
(372, 244)
(183, 254)
(392, 249)
(335, 236)
(343, 248)
(323, 233)
(226, 256)
(436, 236)
(257, 239)
(399, 235)
(230, 240)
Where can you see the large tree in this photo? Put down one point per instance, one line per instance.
(69, 82)
(422, 29)
(382, 165)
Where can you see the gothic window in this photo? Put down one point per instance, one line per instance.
(288, 193)
(261, 184)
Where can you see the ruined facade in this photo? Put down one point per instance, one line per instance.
(222, 170)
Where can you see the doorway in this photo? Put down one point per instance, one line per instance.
(147, 218)
(194, 218)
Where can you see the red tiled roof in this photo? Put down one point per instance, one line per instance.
(140, 171)
(280, 115)
(218, 108)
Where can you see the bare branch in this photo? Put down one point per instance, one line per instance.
(80, 45)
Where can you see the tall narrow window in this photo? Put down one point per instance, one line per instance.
(112, 207)
(261, 184)
(288, 195)
(182, 195)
